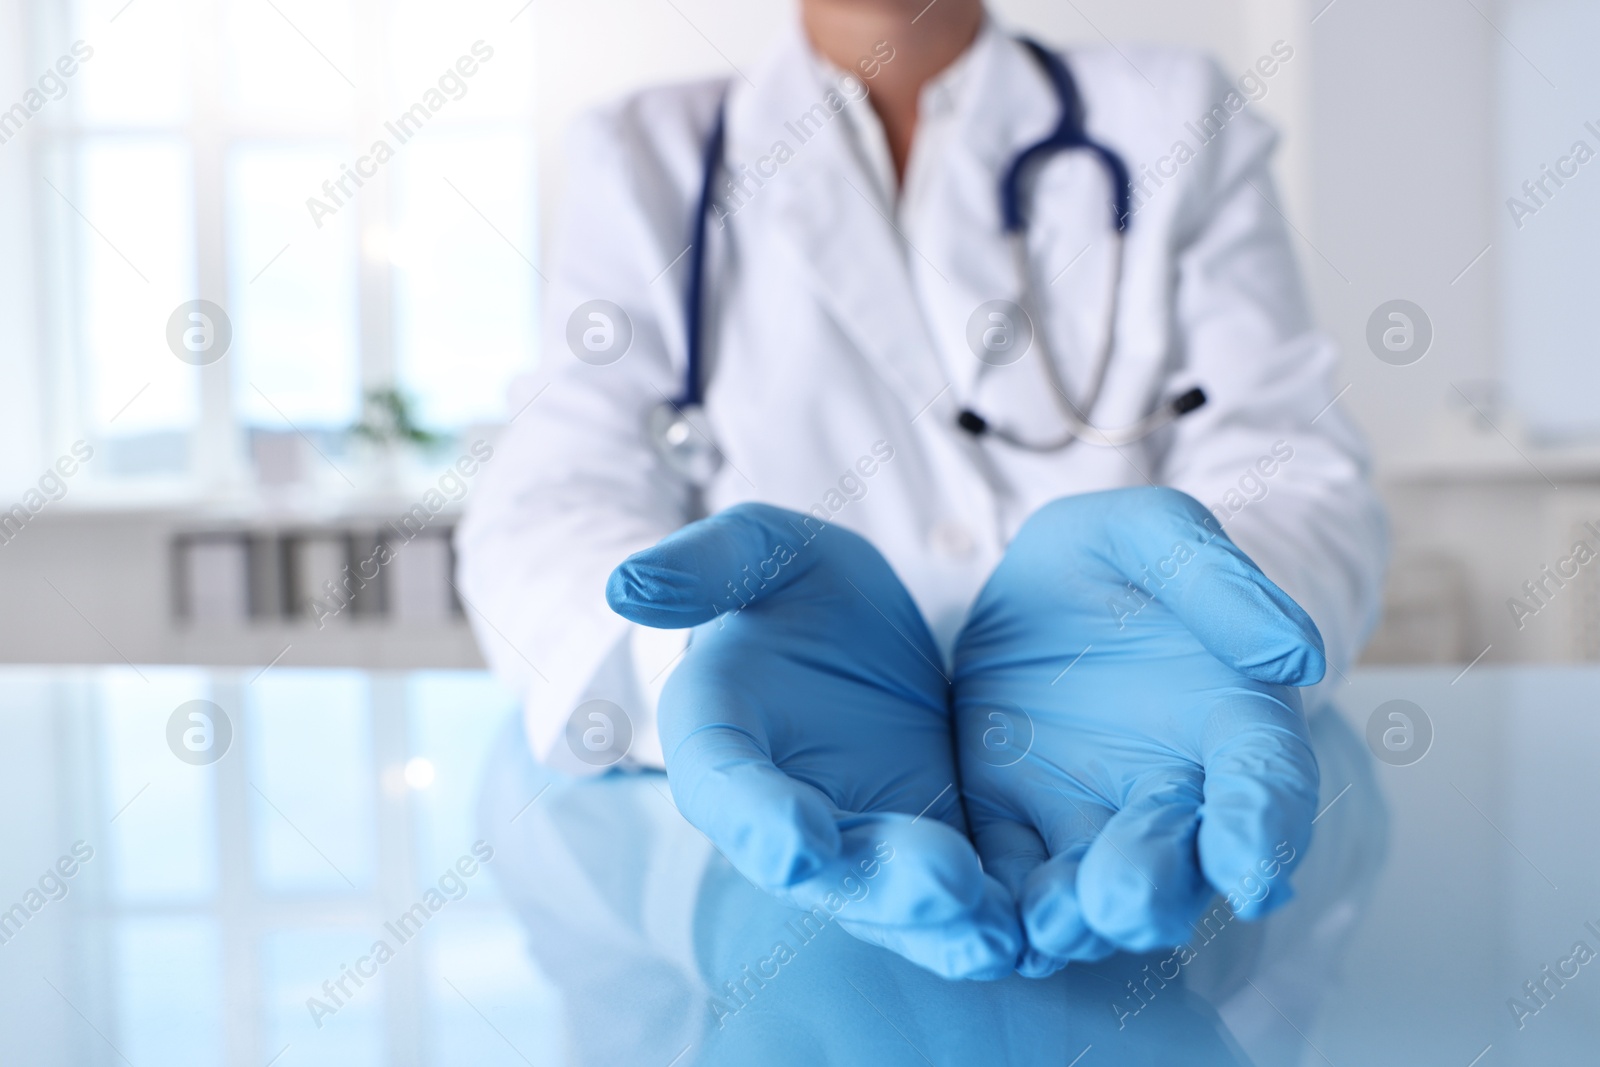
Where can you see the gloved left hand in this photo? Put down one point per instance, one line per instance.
(1130, 742)
(807, 733)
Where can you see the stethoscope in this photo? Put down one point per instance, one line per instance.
(678, 428)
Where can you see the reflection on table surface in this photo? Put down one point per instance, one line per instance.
(373, 871)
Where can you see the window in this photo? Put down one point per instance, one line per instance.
(350, 187)
(1549, 218)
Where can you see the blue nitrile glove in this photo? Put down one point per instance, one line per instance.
(807, 733)
(1128, 741)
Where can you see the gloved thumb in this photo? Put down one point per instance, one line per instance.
(732, 559)
(1164, 545)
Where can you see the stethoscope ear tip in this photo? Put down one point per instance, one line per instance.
(972, 422)
(1186, 403)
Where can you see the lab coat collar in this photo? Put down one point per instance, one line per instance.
(996, 94)
(825, 201)
(1003, 105)
(821, 200)
(939, 99)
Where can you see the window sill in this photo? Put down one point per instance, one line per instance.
(308, 503)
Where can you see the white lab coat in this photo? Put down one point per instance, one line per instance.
(836, 337)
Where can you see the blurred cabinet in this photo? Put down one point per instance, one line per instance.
(282, 585)
(1489, 562)
(327, 575)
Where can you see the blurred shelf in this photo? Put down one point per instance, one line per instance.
(1473, 450)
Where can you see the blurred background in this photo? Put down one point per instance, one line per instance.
(241, 355)
(355, 343)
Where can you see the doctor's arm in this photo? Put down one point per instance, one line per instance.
(575, 485)
(1271, 454)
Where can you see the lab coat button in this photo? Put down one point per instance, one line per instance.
(951, 540)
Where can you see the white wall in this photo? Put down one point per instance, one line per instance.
(1402, 109)
(1552, 344)
(589, 52)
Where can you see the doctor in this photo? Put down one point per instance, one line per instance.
(891, 316)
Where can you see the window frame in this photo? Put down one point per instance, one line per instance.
(218, 461)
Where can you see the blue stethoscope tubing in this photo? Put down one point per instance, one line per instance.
(678, 425)
(694, 296)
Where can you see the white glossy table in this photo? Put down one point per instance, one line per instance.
(226, 902)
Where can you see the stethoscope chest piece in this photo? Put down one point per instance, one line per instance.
(683, 441)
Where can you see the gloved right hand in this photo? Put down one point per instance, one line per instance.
(807, 733)
(1130, 750)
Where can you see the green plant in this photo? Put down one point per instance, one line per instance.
(388, 418)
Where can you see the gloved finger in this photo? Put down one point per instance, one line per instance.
(777, 831)
(1217, 591)
(1169, 548)
(1261, 782)
(918, 871)
(1052, 911)
(982, 944)
(1012, 852)
(1011, 849)
(916, 886)
(1140, 883)
(753, 550)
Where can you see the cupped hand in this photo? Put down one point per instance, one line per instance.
(807, 733)
(1129, 738)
